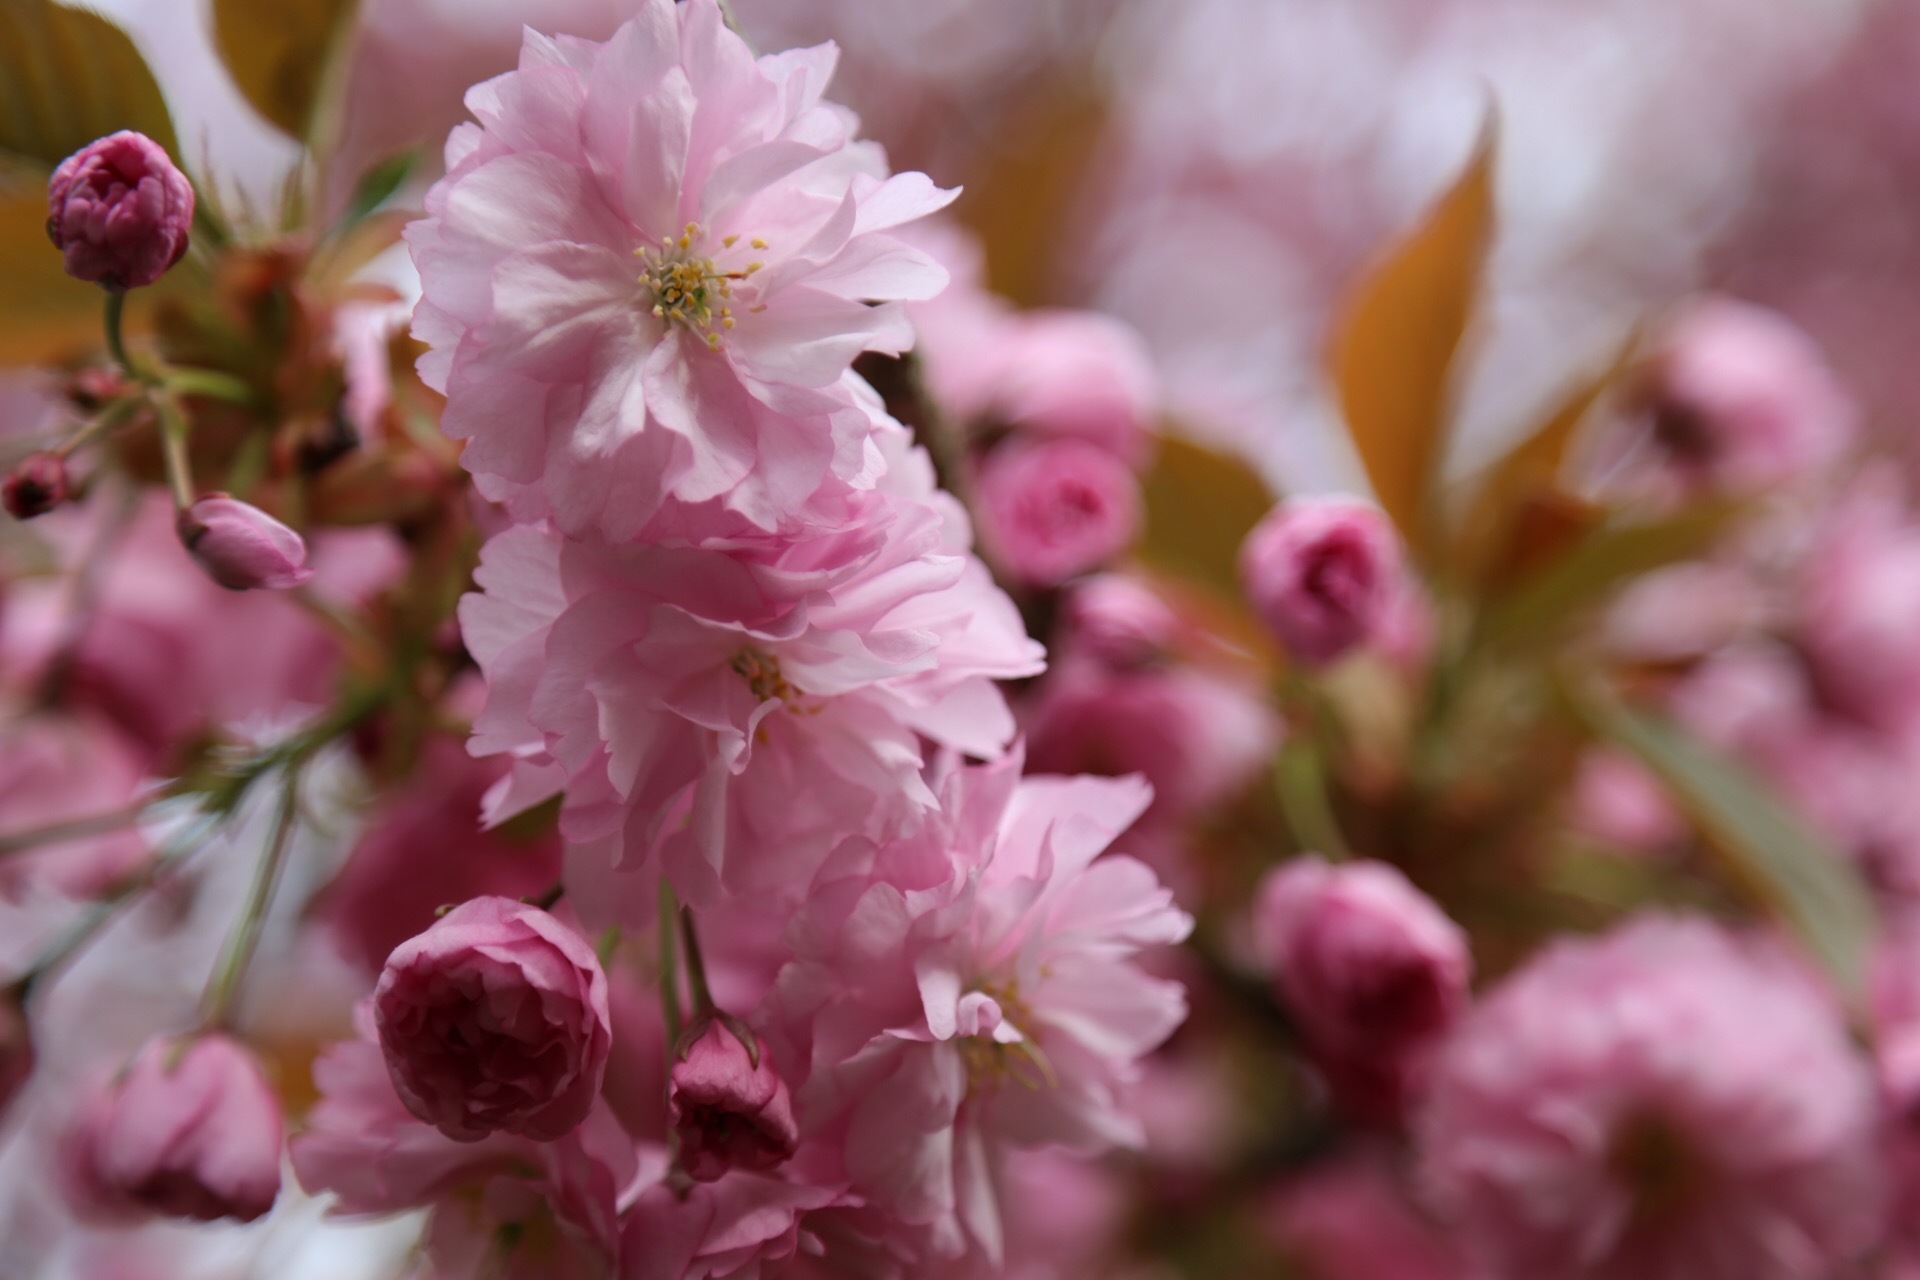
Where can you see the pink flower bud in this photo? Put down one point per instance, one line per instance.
(120, 211)
(242, 547)
(1742, 400)
(1366, 963)
(729, 1111)
(495, 1019)
(1324, 574)
(1058, 508)
(36, 485)
(190, 1129)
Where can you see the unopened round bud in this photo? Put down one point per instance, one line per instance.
(119, 210)
(36, 485)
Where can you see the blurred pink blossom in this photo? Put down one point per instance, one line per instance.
(1323, 573)
(189, 1129)
(1666, 1102)
(1053, 510)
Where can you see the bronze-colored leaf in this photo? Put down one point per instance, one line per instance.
(1494, 544)
(68, 76)
(1393, 350)
(1021, 193)
(278, 52)
(1201, 504)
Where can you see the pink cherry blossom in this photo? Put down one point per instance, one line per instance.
(242, 547)
(1368, 963)
(495, 1018)
(730, 1110)
(1056, 509)
(742, 709)
(1324, 574)
(1742, 400)
(190, 1129)
(1666, 1101)
(972, 989)
(119, 210)
(557, 1199)
(648, 269)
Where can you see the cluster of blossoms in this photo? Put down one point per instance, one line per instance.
(736, 627)
(688, 861)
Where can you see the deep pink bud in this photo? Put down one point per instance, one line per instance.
(1366, 963)
(242, 547)
(190, 1129)
(729, 1111)
(1057, 509)
(1324, 574)
(495, 1019)
(120, 211)
(36, 485)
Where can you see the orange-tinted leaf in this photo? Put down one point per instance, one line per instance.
(1022, 192)
(278, 52)
(1492, 542)
(68, 76)
(1393, 349)
(1201, 504)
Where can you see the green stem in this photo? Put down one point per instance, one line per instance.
(173, 442)
(116, 339)
(176, 851)
(212, 385)
(669, 970)
(70, 829)
(696, 966)
(224, 987)
(106, 420)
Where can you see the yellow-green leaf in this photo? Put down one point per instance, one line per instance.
(1393, 349)
(1766, 847)
(278, 52)
(1605, 560)
(47, 313)
(1201, 504)
(68, 76)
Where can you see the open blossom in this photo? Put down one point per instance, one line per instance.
(495, 1018)
(649, 268)
(1666, 1102)
(1324, 574)
(1057, 508)
(972, 989)
(742, 709)
(555, 1200)
(119, 210)
(190, 1129)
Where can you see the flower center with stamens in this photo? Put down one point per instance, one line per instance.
(689, 288)
(762, 674)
